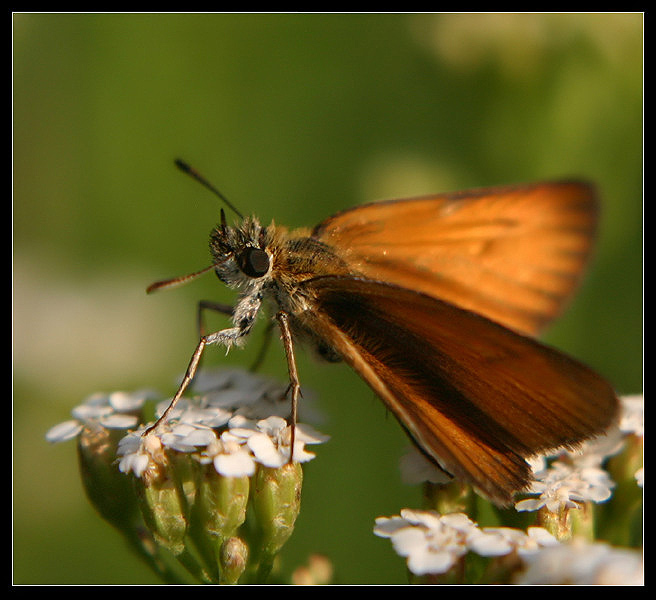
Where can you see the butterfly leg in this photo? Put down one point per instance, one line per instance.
(294, 384)
(186, 380)
(228, 309)
(246, 312)
(224, 309)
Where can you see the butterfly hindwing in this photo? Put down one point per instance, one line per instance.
(475, 396)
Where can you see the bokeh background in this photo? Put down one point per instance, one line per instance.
(293, 117)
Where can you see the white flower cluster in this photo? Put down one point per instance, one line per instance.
(235, 422)
(565, 485)
(432, 543)
(578, 476)
(234, 451)
(117, 410)
(583, 563)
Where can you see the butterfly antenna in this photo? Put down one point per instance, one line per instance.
(185, 168)
(176, 281)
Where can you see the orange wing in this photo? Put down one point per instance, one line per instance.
(511, 254)
(475, 396)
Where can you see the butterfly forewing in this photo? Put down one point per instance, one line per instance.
(511, 254)
(475, 396)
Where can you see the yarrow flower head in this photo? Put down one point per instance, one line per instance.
(218, 452)
(583, 563)
(564, 486)
(433, 543)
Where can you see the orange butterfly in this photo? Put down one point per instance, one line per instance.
(434, 302)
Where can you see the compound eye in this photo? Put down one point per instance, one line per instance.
(254, 262)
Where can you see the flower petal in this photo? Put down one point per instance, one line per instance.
(64, 431)
(237, 464)
(265, 451)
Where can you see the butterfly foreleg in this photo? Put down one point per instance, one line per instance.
(294, 383)
(244, 316)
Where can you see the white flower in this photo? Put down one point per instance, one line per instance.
(234, 452)
(583, 563)
(416, 468)
(270, 444)
(266, 451)
(498, 541)
(64, 431)
(217, 380)
(237, 390)
(640, 476)
(577, 476)
(574, 476)
(194, 413)
(113, 411)
(137, 451)
(246, 443)
(186, 437)
(632, 419)
(230, 456)
(564, 486)
(431, 542)
(593, 452)
(251, 395)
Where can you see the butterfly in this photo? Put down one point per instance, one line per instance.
(436, 302)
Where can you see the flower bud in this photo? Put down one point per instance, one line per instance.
(108, 490)
(220, 506)
(276, 500)
(233, 559)
(161, 501)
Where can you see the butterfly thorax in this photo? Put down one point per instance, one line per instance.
(271, 261)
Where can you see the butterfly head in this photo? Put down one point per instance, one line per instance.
(240, 253)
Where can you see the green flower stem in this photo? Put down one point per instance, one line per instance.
(449, 498)
(583, 521)
(557, 524)
(620, 521)
(569, 522)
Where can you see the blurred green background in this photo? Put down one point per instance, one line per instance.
(293, 117)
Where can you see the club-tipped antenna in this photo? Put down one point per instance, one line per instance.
(183, 166)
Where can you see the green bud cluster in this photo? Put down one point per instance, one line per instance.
(220, 529)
